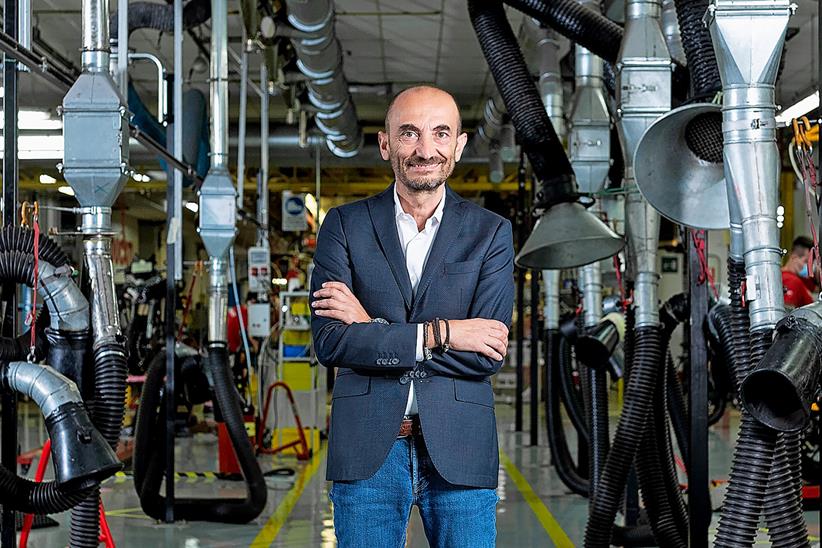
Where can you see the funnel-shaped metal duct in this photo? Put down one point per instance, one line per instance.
(218, 209)
(567, 236)
(748, 37)
(81, 455)
(678, 167)
(589, 140)
(320, 58)
(643, 94)
(95, 126)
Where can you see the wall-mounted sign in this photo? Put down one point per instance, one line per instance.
(294, 219)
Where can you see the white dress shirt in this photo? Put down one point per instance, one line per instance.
(416, 245)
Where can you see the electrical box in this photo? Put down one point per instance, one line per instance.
(259, 319)
(259, 269)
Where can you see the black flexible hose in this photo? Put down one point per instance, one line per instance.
(783, 506)
(591, 30)
(698, 47)
(149, 467)
(17, 238)
(576, 22)
(630, 430)
(561, 458)
(677, 409)
(750, 468)
(651, 476)
(17, 266)
(569, 394)
(149, 15)
(535, 133)
(107, 409)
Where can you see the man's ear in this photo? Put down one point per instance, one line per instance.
(462, 140)
(382, 139)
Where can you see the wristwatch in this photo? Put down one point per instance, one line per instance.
(379, 320)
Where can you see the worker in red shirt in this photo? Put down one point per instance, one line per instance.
(796, 280)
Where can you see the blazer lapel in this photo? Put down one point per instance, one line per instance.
(381, 209)
(447, 234)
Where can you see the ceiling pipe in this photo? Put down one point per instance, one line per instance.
(320, 58)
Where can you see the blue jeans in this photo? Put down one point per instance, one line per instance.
(373, 513)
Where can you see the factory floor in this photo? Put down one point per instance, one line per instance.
(535, 508)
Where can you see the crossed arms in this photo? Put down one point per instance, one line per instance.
(344, 338)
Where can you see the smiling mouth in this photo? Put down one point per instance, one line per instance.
(424, 167)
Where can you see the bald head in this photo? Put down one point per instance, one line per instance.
(426, 95)
(423, 137)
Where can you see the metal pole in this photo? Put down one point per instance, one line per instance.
(534, 361)
(122, 48)
(521, 236)
(174, 249)
(8, 443)
(699, 501)
(241, 136)
(262, 189)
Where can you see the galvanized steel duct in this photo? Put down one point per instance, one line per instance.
(319, 57)
(643, 94)
(670, 28)
(219, 84)
(550, 79)
(748, 39)
(95, 35)
(589, 140)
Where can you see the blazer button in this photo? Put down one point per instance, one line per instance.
(404, 380)
(380, 361)
(395, 361)
(423, 374)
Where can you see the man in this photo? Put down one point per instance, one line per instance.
(412, 422)
(796, 280)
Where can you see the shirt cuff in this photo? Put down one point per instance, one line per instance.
(420, 354)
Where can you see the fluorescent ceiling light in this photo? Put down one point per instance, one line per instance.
(193, 207)
(157, 175)
(800, 108)
(47, 179)
(36, 120)
(66, 190)
(38, 147)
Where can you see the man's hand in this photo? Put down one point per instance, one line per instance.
(488, 337)
(337, 302)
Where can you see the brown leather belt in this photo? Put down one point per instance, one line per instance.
(410, 426)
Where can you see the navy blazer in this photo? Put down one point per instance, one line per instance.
(468, 274)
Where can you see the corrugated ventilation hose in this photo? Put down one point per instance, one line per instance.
(149, 464)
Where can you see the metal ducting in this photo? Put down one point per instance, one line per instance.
(319, 57)
(95, 126)
(495, 131)
(589, 140)
(550, 79)
(670, 28)
(643, 94)
(218, 209)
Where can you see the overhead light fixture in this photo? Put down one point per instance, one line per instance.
(800, 108)
(67, 190)
(46, 179)
(157, 175)
(39, 147)
(193, 207)
(279, 281)
(35, 120)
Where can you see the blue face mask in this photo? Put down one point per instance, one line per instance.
(804, 271)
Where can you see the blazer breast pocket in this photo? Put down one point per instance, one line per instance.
(350, 384)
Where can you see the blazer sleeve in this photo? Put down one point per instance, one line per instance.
(493, 300)
(372, 346)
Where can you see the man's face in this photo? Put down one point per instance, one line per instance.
(422, 139)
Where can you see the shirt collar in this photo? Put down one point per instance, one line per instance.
(399, 211)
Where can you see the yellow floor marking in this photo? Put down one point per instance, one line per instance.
(545, 517)
(272, 527)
